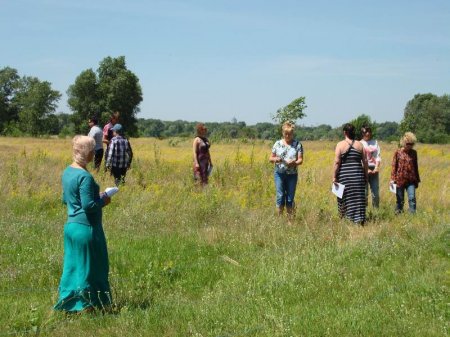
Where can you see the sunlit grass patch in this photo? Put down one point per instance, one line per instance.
(218, 261)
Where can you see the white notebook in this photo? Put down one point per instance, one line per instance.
(110, 191)
(393, 188)
(338, 190)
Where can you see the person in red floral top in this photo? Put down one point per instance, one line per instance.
(405, 172)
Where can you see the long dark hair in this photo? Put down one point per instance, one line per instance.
(349, 129)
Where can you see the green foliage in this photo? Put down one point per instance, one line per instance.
(150, 127)
(112, 88)
(265, 130)
(26, 104)
(226, 130)
(359, 122)
(12, 129)
(291, 112)
(66, 127)
(36, 101)
(321, 132)
(84, 100)
(9, 85)
(428, 116)
(388, 131)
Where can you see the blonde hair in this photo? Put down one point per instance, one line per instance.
(288, 127)
(408, 137)
(82, 146)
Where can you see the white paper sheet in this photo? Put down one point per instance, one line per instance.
(338, 190)
(393, 188)
(110, 191)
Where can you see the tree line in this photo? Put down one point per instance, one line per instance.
(28, 108)
(388, 131)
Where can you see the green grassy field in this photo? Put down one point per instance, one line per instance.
(218, 262)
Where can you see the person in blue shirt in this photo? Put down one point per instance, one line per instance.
(84, 282)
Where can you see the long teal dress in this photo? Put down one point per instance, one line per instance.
(84, 281)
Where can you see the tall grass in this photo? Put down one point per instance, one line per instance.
(218, 262)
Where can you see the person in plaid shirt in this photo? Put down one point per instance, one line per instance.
(119, 156)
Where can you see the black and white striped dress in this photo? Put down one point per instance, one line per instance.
(351, 174)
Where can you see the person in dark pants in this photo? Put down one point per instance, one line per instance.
(119, 156)
(405, 173)
(96, 133)
(350, 169)
(372, 152)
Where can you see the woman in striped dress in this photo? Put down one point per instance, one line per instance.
(350, 170)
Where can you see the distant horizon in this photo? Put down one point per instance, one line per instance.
(250, 124)
(138, 116)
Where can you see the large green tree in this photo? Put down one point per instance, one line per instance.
(428, 116)
(36, 102)
(112, 88)
(27, 104)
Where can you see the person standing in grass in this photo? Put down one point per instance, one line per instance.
(372, 152)
(119, 156)
(96, 133)
(405, 172)
(350, 170)
(84, 282)
(287, 154)
(201, 156)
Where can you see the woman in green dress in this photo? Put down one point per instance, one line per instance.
(84, 282)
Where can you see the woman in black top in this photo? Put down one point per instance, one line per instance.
(350, 169)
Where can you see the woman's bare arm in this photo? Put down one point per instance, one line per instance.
(194, 151)
(337, 163)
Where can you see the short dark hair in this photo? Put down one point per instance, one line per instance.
(349, 129)
(94, 120)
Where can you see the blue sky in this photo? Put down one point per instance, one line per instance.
(213, 60)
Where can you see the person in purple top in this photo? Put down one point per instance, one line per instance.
(202, 158)
(108, 133)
